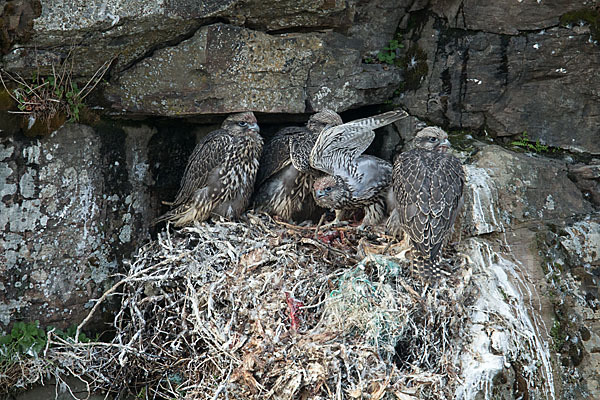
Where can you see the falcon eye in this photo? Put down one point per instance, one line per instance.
(328, 189)
(242, 123)
(432, 139)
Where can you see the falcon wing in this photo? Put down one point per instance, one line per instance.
(276, 153)
(209, 154)
(367, 177)
(337, 147)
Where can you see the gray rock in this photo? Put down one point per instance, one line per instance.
(375, 22)
(224, 68)
(503, 18)
(530, 188)
(133, 29)
(536, 82)
(587, 179)
(65, 225)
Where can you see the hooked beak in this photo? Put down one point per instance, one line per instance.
(444, 146)
(254, 127)
(320, 193)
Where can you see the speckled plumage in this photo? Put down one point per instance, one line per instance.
(220, 173)
(285, 177)
(353, 180)
(427, 186)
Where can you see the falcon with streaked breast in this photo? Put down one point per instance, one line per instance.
(220, 174)
(285, 178)
(427, 189)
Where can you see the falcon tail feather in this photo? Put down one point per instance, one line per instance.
(429, 269)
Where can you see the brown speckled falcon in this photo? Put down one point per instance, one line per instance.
(427, 187)
(353, 180)
(285, 177)
(220, 173)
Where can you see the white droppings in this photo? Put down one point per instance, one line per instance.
(502, 332)
(476, 81)
(322, 93)
(549, 203)
(32, 153)
(485, 195)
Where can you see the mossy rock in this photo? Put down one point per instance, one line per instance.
(6, 101)
(589, 15)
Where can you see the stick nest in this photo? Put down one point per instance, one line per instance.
(259, 310)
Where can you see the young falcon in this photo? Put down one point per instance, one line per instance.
(353, 180)
(285, 178)
(220, 173)
(427, 187)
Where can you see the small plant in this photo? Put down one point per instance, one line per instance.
(46, 97)
(527, 144)
(27, 338)
(389, 54)
(24, 338)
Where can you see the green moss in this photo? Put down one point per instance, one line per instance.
(462, 139)
(6, 102)
(415, 67)
(558, 336)
(588, 15)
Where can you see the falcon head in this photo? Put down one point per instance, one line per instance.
(241, 124)
(432, 138)
(327, 192)
(324, 118)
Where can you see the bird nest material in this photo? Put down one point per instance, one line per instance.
(260, 309)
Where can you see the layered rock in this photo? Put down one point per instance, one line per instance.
(224, 68)
(523, 73)
(185, 58)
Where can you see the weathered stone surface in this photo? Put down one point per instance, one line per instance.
(98, 31)
(587, 179)
(375, 22)
(291, 14)
(64, 224)
(536, 82)
(181, 61)
(571, 258)
(224, 68)
(513, 18)
(16, 21)
(529, 187)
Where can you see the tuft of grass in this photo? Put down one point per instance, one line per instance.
(46, 97)
(558, 336)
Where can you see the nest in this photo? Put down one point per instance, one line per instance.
(261, 309)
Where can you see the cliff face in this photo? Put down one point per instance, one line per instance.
(77, 202)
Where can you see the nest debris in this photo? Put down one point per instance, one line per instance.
(261, 309)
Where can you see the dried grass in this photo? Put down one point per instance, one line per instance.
(260, 310)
